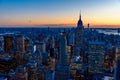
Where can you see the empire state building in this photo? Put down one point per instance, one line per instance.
(80, 23)
(78, 38)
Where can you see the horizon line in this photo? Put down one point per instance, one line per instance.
(62, 25)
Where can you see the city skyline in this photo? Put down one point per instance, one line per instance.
(98, 13)
(35, 53)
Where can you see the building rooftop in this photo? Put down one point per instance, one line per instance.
(96, 42)
(7, 58)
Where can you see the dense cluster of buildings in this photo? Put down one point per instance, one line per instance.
(59, 54)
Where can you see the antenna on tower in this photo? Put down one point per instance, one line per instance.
(80, 15)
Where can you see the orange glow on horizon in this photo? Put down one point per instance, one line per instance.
(100, 22)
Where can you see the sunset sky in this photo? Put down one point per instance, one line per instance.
(55, 12)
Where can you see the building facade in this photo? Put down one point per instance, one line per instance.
(8, 43)
(96, 57)
(62, 71)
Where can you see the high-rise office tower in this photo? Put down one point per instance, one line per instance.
(20, 43)
(32, 68)
(1, 43)
(42, 48)
(63, 70)
(52, 46)
(52, 42)
(8, 43)
(21, 73)
(27, 45)
(63, 50)
(38, 57)
(117, 70)
(96, 57)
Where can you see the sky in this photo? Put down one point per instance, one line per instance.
(98, 13)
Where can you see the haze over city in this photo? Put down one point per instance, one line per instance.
(104, 13)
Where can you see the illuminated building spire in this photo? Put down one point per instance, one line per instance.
(80, 23)
(80, 16)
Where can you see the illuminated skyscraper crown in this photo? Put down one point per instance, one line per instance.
(80, 23)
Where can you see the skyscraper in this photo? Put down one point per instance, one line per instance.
(117, 70)
(21, 73)
(80, 23)
(20, 43)
(42, 49)
(52, 47)
(63, 70)
(1, 43)
(78, 38)
(27, 44)
(38, 57)
(8, 43)
(96, 57)
(63, 50)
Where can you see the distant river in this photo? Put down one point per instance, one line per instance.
(109, 32)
